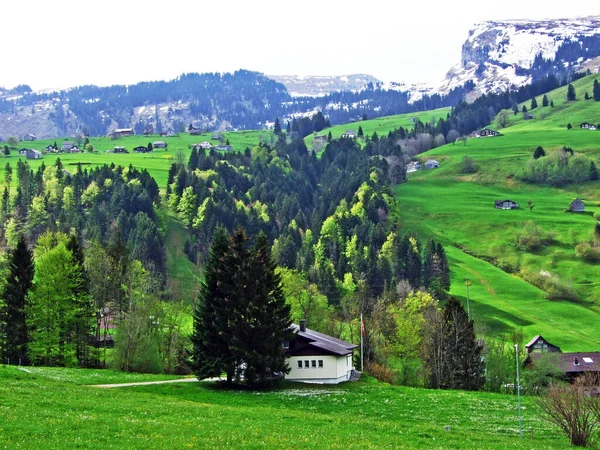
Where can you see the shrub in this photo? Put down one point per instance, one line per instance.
(573, 410)
(554, 287)
(587, 252)
(530, 237)
(467, 165)
(381, 372)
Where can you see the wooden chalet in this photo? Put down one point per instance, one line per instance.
(194, 131)
(572, 364)
(159, 144)
(576, 206)
(33, 154)
(587, 126)
(67, 145)
(120, 132)
(141, 149)
(29, 137)
(202, 146)
(506, 204)
(488, 132)
(318, 358)
(350, 134)
(119, 149)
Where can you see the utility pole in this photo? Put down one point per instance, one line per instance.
(519, 391)
(362, 332)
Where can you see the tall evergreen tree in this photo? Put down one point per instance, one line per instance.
(593, 171)
(16, 291)
(360, 132)
(533, 103)
(571, 94)
(596, 91)
(545, 100)
(241, 318)
(277, 126)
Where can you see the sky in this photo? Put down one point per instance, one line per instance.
(66, 43)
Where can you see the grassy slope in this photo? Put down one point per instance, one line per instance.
(42, 412)
(459, 208)
(382, 125)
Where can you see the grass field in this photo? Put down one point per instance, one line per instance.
(459, 209)
(48, 410)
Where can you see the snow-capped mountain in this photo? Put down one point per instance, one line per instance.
(501, 55)
(318, 86)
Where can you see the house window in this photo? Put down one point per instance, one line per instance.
(286, 344)
(299, 364)
(313, 364)
(306, 364)
(320, 364)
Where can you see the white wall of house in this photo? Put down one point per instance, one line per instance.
(335, 369)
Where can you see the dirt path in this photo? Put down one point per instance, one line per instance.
(146, 383)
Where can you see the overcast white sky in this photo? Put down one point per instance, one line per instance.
(63, 43)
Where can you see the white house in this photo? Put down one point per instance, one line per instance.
(67, 145)
(33, 154)
(413, 167)
(432, 164)
(317, 358)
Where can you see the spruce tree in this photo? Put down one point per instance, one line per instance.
(277, 126)
(593, 171)
(596, 91)
(288, 128)
(15, 295)
(211, 355)
(360, 132)
(545, 100)
(538, 152)
(533, 103)
(571, 94)
(465, 368)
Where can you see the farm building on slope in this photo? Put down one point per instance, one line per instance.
(572, 364)
(488, 132)
(317, 358)
(576, 206)
(506, 204)
(432, 164)
(587, 126)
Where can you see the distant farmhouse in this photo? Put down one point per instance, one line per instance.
(576, 206)
(224, 148)
(202, 146)
(528, 116)
(314, 357)
(159, 144)
(322, 139)
(587, 126)
(350, 134)
(141, 149)
(33, 154)
(29, 137)
(120, 132)
(506, 204)
(216, 137)
(194, 131)
(119, 149)
(432, 164)
(571, 364)
(74, 149)
(67, 145)
(488, 132)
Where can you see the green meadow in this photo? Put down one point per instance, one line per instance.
(382, 125)
(54, 408)
(459, 211)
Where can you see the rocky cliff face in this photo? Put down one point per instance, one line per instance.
(508, 54)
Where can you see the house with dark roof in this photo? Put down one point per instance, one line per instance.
(572, 364)
(350, 134)
(315, 357)
(587, 126)
(576, 206)
(506, 204)
(67, 145)
(159, 144)
(488, 132)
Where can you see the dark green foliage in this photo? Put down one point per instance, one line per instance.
(533, 103)
(538, 152)
(596, 91)
(467, 165)
(593, 171)
(277, 127)
(545, 100)
(586, 96)
(13, 324)
(524, 109)
(571, 94)
(453, 354)
(569, 126)
(241, 319)
(360, 132)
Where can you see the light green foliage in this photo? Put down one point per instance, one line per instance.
(89, 195)
(408, 316)
(187, 205)
(531, 237)
(305, 300)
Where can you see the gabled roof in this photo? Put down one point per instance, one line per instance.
(576, 201)
(576, 362)
(324, 342)
(533, 341)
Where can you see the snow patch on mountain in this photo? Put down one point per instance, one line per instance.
(319, 86)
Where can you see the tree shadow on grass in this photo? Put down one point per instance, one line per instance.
(497, 320)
